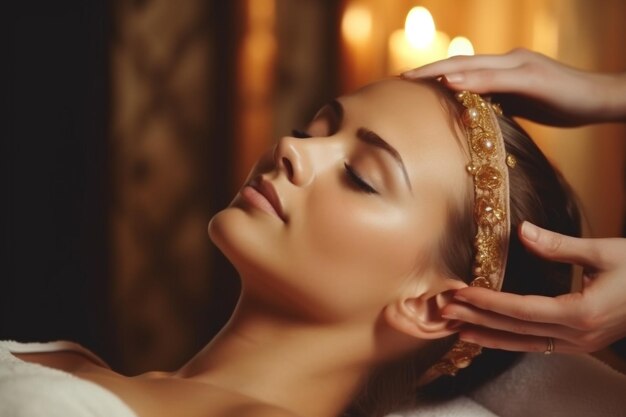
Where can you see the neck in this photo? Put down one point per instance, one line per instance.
(309, 369)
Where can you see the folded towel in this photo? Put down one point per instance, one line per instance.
(31, 390)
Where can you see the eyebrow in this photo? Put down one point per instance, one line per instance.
(373, 139)
(370, 138)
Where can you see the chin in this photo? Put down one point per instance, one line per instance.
(221, 228)
(243, 240)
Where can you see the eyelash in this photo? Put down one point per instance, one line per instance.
(358, 181)
(350, 172)
(300, 134)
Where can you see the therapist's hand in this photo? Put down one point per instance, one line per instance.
(535, 87)
(584, 321)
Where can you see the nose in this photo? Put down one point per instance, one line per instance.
(292, 156)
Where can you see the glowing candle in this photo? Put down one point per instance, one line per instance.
(417, 44)
(420, 27)
(356, 25)
(356, 31)
(460, 45)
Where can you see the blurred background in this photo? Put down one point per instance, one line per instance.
(132, 121)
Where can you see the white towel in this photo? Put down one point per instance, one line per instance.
(31, 390)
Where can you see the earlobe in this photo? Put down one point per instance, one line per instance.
(419, 315)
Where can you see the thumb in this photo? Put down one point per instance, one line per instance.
(557, 247)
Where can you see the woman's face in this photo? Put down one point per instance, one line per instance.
(339, 219)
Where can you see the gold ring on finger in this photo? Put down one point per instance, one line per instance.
(549, 347)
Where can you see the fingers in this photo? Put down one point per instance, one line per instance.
(491, 81)
(496, 339)
(558, 247)
(513, 72)
(500, 332)
(494, 321)
(564, 310)
(497, 331)
(458, 64)
(510, 312)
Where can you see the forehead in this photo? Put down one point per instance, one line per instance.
(415, 119)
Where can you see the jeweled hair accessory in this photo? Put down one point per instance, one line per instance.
(488, 167)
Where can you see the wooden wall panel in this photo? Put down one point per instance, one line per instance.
(161, 147)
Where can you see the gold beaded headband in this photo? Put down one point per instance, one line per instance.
(488, 167)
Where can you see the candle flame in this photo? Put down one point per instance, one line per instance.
(460, 45)
(356, 25)
(419, 27)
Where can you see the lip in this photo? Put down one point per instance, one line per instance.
(262, 194)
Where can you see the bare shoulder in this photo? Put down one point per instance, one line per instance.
(151, 395)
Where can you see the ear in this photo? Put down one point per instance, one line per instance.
(419, 315)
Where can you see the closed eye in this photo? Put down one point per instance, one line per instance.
(300, 134)
(357, 181)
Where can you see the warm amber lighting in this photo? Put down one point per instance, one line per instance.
(419, 43)
(356, 25)
(261, 12)
(460, 45)
(545, 33)
(420, 27)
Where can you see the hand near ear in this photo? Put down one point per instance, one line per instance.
(420, 315)
(584, 321)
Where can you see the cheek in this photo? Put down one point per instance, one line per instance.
(364, 241)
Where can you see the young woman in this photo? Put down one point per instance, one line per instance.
(350, 237)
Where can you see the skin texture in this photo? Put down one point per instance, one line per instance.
(342, 280)
(335, 230)
(541, 89)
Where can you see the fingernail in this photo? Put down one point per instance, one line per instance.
(459, 297)
(454, 78)
(449, 316)
(407, 74)
(530, 231)
(467, 338)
